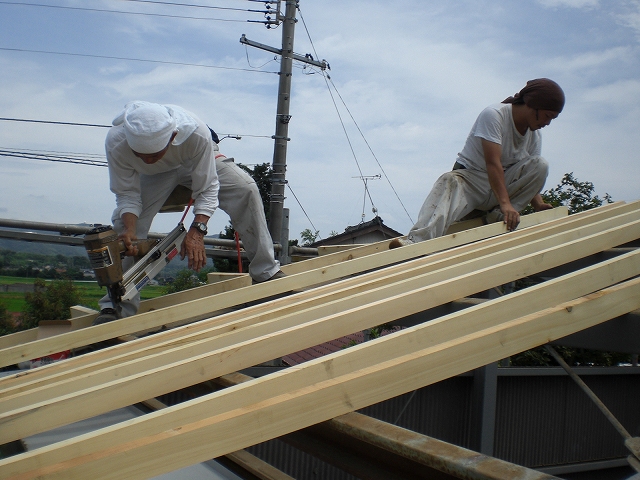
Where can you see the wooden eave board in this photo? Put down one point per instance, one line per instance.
(216, 358)
(143, 344)
(287, 305)
(295, 398)
(201, 307)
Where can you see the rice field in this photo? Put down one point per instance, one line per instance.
(89, 291)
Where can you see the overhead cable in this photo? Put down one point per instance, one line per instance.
(109, 57)
(144, 14)
(328, 79)
(92, 159)
(268, 10)
(54, 123)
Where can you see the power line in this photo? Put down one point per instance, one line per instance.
(92, 159)
(145, 14)
(269, 9)
(327, 80)
(76, 124)
(370, 149)
(54, 123)
(303, 210)
(109, 57)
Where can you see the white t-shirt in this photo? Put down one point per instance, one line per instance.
(495, 124)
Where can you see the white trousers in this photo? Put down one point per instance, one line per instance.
(238, 197)
(459, 192)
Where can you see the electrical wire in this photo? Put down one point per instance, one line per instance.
(304, 211)
(144, 14)
(92, 159)
(109, 57)
(370, 149)
(53, 123)
(75, 124)
(269, 10)
(327, 80)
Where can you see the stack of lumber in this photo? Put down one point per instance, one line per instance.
(333, 295)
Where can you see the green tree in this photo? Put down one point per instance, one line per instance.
(308, 237)
(6, 326)
(49, 302)
(577, 196)
(186, 279)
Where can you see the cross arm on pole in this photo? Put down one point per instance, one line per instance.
(306, 59)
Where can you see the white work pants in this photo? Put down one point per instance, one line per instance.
(238, 197)
(459, 192)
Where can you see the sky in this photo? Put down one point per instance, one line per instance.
(407, 80)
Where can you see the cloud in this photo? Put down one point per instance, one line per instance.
(569, 3)
(630, 15)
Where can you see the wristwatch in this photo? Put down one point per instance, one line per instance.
(201, 227)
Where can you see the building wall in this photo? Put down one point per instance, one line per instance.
(542, 420)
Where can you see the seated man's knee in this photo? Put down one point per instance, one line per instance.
(540, 165)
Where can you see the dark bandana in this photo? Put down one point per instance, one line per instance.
(540, 94)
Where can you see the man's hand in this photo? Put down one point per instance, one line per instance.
(128, 236)
(193, 249)
(511, 217)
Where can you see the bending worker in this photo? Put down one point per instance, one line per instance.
(499, 170)
(153, 148)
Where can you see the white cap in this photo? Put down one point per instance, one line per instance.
(148, 126)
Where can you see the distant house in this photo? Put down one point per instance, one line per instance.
(366, 232)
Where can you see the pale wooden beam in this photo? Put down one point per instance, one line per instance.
(153, 304)
(29, 412)
(243, 459)
(309, 299)
(292, 399)
(202, 307)
(29, 379)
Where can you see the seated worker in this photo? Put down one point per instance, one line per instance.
(153, 148)
(499, 170)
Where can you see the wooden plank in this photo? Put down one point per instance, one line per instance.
(215, 277)
(82, 317)
(162, 302)
(197, 293)
(242, 458)
(112, 357)
(272, 406)
(18, 338)
(354, 265)
(29, 412)
(49, 328)
(314, 298)
(305, 300)
(256, 467)
(204, 307)
(447, 241)
(465, 225)
(81, 310)
(328, 249)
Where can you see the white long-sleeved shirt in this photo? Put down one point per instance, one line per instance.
(196, 153)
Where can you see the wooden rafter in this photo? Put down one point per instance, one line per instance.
(399, 283)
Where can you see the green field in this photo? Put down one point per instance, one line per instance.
(89, 291)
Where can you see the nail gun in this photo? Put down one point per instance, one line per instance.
(106, 253)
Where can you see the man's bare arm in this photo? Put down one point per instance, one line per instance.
(193, 246)
(492, 153)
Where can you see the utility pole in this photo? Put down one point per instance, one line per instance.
(281, 136)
